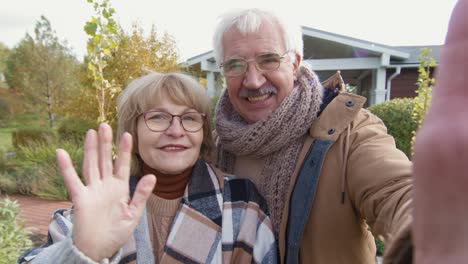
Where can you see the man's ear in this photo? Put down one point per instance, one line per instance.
(296, 63)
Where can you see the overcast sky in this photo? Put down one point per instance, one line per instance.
(191, 23)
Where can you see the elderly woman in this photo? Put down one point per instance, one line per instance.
(193, 214)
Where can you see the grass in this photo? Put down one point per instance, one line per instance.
(19, 121)
(5, 138)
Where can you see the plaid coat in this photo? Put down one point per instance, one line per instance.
(221, 219)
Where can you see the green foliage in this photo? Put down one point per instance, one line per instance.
(397, 116)
(81, 104)
(35, 172)
(380, 247)
(139, 52)
(5, 112)
(74, 129)
(7, 183)
(4, 53)
(5, 139)
(13, 235)
(116, 57)
(28, 136)
(102, 31)
(7, 126)
(425, 84)
(42, 70)
(350, 88)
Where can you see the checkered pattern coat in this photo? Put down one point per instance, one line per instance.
(221, 219)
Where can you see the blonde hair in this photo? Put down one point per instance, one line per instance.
(144, 92)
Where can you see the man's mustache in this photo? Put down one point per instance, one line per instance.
(245, 92)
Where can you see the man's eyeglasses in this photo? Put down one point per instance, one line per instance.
(159, 121)
(263, 62)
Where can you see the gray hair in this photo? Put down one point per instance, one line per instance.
(249, 21)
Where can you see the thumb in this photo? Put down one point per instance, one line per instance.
(143, 191)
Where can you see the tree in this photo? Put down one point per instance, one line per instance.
(116, 57)
(18, 65)
(102, 31)
(4, 53)
(137, 53)
(42, 69)
(425, 84)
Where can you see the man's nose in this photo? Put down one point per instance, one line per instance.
(175, 129)
(253, 78)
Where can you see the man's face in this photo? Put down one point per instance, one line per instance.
(256, 94)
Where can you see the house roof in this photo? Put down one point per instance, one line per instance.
(322, 45)
(415, 51)
(370, 47)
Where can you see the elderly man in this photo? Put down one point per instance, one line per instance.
(326, 166)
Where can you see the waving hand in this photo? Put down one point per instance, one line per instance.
(104, 215)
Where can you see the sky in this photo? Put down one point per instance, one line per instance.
(191, 23)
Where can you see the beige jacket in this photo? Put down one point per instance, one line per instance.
(375, 176)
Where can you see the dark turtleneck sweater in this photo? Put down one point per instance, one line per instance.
(169, 186)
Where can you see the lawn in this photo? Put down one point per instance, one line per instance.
(24, 120)
(5, 138)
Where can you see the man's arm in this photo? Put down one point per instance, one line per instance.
(379, 182)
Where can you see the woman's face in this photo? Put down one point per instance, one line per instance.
(173, 150)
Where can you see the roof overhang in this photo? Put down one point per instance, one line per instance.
(353, 42)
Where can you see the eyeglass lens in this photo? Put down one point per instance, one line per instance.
(160, 121)
(264, 62)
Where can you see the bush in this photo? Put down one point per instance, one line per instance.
(74, 129)
(5, 111)
(380, 247)
(10, 106)
(35, 171)
(13, 235)
(28, 136)
(7, 184)
(397, 116)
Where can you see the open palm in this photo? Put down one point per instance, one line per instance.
(104, 215)
(440, 230)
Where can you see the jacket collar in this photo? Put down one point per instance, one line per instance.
(337, 114)
(203, 191)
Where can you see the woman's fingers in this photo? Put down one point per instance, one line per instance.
(71, 179)
(124, 157)
(90, 158)
(105, 150)
(143, 190)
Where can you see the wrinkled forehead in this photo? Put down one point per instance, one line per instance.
(266, 38)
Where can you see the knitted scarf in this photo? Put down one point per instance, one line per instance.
(277, 140)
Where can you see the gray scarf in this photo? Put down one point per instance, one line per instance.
(277, 139)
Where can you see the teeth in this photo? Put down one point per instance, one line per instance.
(173, 148)
(257, 98)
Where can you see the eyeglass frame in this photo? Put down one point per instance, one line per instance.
(172, 119)
(247, 61)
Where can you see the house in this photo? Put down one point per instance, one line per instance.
(379, 72)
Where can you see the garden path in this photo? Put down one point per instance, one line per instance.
(36, 212)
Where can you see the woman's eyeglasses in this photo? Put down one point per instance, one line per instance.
(159, 121)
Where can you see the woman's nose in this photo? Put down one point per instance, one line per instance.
(175, 129)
